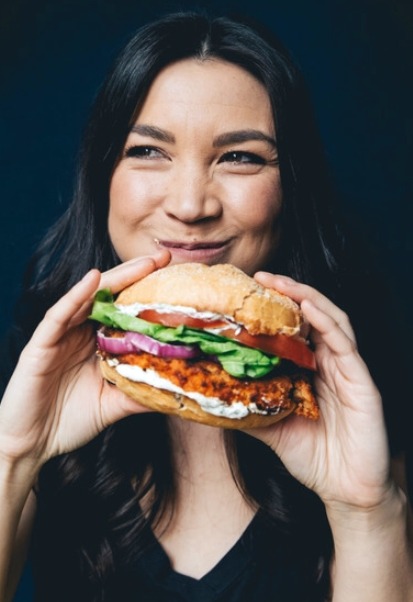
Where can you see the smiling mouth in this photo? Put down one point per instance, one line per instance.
(192, 246)
(196, 251)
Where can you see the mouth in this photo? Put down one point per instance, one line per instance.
(195, 251)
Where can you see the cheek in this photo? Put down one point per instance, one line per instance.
(259, 205)
(129, 200)
(120, 193)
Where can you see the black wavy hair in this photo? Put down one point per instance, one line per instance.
(89, 530)
(80, 238)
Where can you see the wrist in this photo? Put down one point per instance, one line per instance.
(372, 555)
(347, 521)
(18, 474)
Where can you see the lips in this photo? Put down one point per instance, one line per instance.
(195, 251)
(192, 246)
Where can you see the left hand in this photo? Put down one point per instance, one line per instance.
(343, 456)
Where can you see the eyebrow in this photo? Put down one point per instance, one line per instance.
(225, 139)
(243, 136)
(153, 132)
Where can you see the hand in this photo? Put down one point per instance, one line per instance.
(56, 400)
(344, 455)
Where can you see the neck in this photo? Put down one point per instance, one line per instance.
(205, 486)
(198, 450)
(204, 476)
(209, 513)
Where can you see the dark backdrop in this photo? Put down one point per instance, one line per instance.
(357, 57)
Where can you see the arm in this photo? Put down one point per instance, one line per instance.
(55, 402)
(392, 528)
(373, 558)
(344, 457)
(16, 521)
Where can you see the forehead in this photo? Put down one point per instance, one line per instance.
(211, 87)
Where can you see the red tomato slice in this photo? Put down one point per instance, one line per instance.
(177, 319)
(289, 348)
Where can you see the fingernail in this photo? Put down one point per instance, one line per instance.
(287, 279)
(140, 259)
(88, 275)
(279, 277)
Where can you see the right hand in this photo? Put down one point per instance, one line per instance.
(56, 400)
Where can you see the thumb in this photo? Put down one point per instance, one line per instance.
(117, 405)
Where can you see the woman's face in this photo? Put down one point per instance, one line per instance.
(199, 172)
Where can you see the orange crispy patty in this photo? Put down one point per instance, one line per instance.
(206, 377)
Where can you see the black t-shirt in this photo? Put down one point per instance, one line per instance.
(256, 568)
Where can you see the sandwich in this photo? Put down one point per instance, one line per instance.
(209, 344)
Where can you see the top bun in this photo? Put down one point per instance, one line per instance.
(222, 289)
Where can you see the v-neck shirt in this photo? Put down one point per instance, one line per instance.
(257, 567)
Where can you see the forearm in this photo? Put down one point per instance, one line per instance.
(16, 515)
(373, 554)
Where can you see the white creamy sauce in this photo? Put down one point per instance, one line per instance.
(135, 308)
(213, 405)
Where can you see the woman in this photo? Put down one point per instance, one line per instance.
(201, 148)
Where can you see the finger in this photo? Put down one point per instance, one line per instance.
(341, 371)
(328, 329)
(129, 272)
(116, 405)
(58, 318)
(298, 292)
(122, 276)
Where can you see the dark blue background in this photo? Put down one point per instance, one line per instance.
(357, 57)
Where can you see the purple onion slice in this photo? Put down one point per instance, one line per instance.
(135, 341)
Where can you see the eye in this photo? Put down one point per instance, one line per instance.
(143, 152)
(242, 157)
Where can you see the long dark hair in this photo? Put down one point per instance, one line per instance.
(79, 240)
(89, 529)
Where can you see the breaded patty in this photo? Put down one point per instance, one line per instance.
(206, 377)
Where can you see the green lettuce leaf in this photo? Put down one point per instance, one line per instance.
(236, 359)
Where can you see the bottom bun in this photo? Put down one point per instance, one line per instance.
(166, 402)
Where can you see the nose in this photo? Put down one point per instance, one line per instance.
(191, 196)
